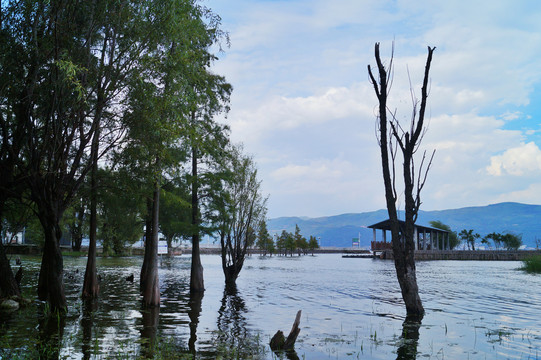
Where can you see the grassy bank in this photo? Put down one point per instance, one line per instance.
(532, 264)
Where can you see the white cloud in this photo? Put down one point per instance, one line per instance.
(518, 161)
(286, 113)
(531, 194)
(303, 105)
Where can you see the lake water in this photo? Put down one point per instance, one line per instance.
(351, 309)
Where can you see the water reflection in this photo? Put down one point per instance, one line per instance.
(231, 320)
(51, 330)
(87, 321)
(149, 331)
(409, 339)
(232, 336)
(194, 312)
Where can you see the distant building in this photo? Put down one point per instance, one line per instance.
(426, 237)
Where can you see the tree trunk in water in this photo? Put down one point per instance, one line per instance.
(151, 284)
(402, 248)
(148, 235)
(407, 278)
(196, 275)
(91, 287)
(8, 284)
(51, 275)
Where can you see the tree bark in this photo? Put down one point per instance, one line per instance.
(279, 342)
(196, 275)
(151, 288)
(403, 242)
(51, 275)
(91, 287)
(8, 284)
(148, 235)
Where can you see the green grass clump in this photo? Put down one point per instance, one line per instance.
(532, 264)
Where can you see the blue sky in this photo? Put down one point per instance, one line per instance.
(304, 108)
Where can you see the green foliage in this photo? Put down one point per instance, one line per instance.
(175, 211)
(264, 240)
(453, 238)
(532, 264)
(239, 208)
(289, 243)
(312, 243)
(120, 222)
(300, 241)
(512, 241)
(508, 240)
(469, 237)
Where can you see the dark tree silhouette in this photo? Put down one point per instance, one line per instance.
(390, 140)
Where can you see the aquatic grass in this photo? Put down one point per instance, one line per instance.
(532, 264)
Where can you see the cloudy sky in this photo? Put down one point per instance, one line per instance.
(304, 107)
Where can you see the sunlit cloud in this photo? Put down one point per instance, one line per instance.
(518, 161)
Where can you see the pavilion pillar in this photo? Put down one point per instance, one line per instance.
(384, 235)
(416, 237)
(424, 239)
(431, 240)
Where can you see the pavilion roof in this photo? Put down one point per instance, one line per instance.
(386, 225)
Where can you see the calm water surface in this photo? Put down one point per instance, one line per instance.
(351, 308)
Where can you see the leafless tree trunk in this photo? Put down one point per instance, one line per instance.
(390, 140)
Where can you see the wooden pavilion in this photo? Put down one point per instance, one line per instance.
(426, 237)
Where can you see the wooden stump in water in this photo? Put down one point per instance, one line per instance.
(279, 342)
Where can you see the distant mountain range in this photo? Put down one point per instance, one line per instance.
(339, 230)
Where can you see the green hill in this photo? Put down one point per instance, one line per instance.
(339, 230)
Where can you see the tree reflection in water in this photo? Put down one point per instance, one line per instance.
(149, 330)
(233, 337)
(196, 299)
(51, 330)
(89, 307)
(410, 338)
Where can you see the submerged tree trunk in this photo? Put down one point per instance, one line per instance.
(403, 241)
(51, 275)
(8, 284)
(232, 259)
(151, 284)
(196, 274)
(91, 287)
(148, 235)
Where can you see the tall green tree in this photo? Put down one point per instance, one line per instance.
(281, 242)
(56, 112)
(264, 239)
(300, 241)
(313, 244)
(289, 243)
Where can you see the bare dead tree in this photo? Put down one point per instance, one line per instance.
(394, 137)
